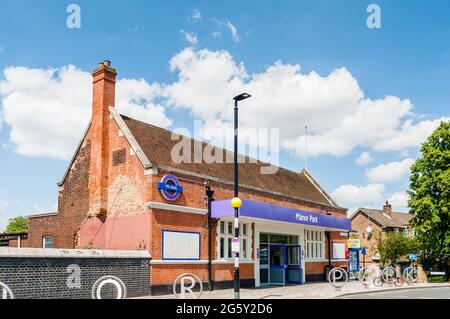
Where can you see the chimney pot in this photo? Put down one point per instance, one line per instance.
(387, 209)
(107, 63)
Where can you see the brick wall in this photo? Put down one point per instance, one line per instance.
(40, 277)
(73, 206)
(359, 224)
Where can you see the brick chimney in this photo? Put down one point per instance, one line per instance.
(104, 87)
(387, 209)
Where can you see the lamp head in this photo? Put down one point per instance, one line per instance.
(241, 97)
(236, 202)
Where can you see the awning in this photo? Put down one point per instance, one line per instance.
(251, 209)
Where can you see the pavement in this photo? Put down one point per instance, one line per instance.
(422, 293)
(321, 290)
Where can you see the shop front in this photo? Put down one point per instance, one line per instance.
(283, 239)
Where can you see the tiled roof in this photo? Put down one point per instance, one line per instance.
(157, 145)
(396, 220)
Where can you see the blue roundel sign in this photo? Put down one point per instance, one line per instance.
(170, 187)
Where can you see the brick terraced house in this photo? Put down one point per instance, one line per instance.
(122, 190)
(370, 222)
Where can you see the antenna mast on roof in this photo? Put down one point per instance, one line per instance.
(306, 133)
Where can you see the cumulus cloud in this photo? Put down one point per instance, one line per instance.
(352, 195)
(399, 201)
(339, 115)
(42, 105)
(363, 159)
(390, 172)
(48, 109)
(190, 37)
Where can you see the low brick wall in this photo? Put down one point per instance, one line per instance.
(71, 274)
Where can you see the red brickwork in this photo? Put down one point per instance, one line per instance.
(104, 203)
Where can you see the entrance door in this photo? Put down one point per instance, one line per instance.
(264, 267)
(293, 264)
(277, 265)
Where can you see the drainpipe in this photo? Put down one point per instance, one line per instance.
(329, 248)
(209, 199)
(329, 245)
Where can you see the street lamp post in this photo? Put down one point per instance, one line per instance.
(236, 202)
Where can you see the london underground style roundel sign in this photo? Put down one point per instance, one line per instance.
(170, 187)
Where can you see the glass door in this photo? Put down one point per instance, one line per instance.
(264, 264)
(277, 265)
(293, 264)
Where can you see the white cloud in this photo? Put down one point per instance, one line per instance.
(231, 27)
(339, 116)
(196, 15)
(390, 172)
(363, 159)
(351, 195)
(48, 109)
(54, 105)
(399, 201)
(190, 37)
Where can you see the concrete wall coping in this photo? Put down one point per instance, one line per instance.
(71, 253)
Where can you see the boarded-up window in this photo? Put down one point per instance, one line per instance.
(119, 157)
(177, 245)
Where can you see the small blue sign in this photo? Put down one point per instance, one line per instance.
(363, 251)
(170, 187)
(412, 256)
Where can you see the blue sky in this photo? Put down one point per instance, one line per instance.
(408, 58)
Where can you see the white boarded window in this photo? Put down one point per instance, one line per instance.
(338, 250)
(178, 245)
(315, 245)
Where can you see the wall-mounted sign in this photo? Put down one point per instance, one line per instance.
(170, 187)
(412, 256)
(353, 241)
(354, 244)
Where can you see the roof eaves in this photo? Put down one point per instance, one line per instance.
(226, 182)
(320, 188)
(43, 215)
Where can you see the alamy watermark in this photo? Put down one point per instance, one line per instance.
(374, 19)
(74, 19)
(259, 145)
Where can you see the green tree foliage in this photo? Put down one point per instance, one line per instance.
(393, 246)
(17, 224)
(430, 195)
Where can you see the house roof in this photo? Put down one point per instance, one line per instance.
(396, 219)
(157, 144)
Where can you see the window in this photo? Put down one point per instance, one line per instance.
(406, 233)
(180, 245)
(226, 235)
(47, 242)
(315, 245)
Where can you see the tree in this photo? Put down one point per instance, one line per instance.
(430, 195)
(392, 246)
(17, 224)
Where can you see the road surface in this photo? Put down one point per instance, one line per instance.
(416, 293)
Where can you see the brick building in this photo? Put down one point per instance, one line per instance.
(369, 222)
(123, 190)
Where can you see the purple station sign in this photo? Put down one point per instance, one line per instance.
(251, 209)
